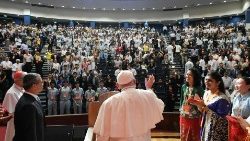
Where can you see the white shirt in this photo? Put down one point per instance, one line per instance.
(202, 64)
(227, 81)
(188, 66)
(170, 49)
(17, 67)
(10, 100)
(28, 57)
(7, 64)
(177, 48)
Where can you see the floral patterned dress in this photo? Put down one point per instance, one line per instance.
(215, 125)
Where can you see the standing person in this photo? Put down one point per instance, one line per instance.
(28, 116)
(52, 99)
(190, 116)
(77, 93)
(215, 106)
(11, 98)
(89, 96)
(189, 64)
(241, 101)
(101, 89)
(65, 96)
(130, 114)
(27, 59)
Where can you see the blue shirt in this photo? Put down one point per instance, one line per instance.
(241, 104)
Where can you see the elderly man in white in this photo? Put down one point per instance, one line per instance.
(130, 114)
(10, 100)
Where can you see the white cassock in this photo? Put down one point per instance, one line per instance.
(10, 100)
(128, 116)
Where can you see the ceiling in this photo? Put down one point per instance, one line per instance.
(122, 4)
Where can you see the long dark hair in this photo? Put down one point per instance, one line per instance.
(217, 77)
(196, 77)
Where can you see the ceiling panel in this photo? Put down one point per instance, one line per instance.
(123, 4)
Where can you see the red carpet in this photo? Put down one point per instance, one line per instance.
(2, 132)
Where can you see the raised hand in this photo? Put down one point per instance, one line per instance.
(150, 81)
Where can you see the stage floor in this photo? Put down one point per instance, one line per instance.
(164, 139)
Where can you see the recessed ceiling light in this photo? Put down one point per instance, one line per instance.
(153, 8)
(123, 9)
(143, 8)
(12, 0)
(186, 6)
(51, 5)
(39, 3)
(113, 9)
(174, 6)
(198, 4)
(163, 7)
(94, 8)
(73, 7)
(62, 6)
(133, 9)
(210, 3)
(26, 1)
(225, 1)
(104, 8)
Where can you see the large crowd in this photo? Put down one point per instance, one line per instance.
(83, 62)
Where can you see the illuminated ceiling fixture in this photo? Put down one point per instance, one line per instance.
(39, 3)
(198, 4)
(143, 8)
(210, 3)
(133, 9)
(51, 5)
(153, 8)
(62, 6)
(174, 6)
(225, 1)
(73, 7)
(113, 9)
(186, 6)
(94, 8)
(123, 9)
(26, 1)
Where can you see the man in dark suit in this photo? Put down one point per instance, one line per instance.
(28, 116)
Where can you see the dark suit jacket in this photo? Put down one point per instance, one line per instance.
(28, 119)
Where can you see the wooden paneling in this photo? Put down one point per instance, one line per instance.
(93, 112)
(76, 119)
(170, 122)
